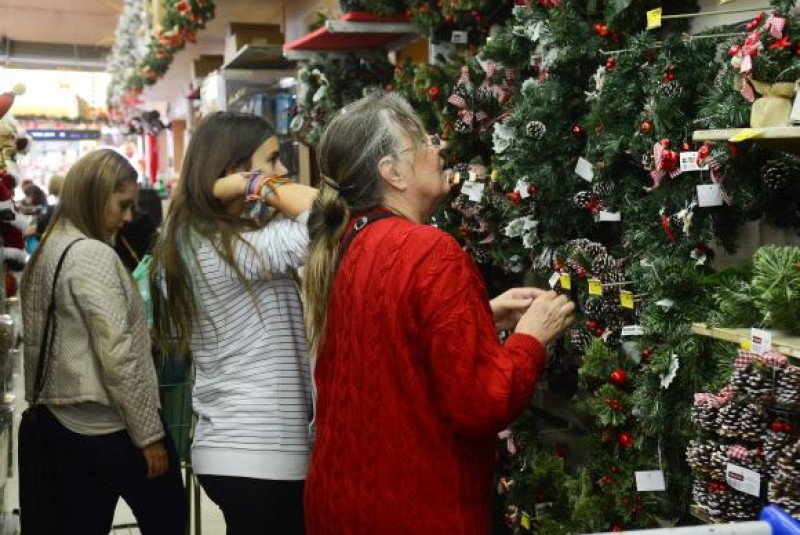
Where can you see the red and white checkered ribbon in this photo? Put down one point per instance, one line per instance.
(743, 359)
(739, 453)
(508, 436)
(776, 25)
(717, 178)
(747, 90)
(705, 399)
(457, 101)
(658, 171)
(750, 49)
(774, 359)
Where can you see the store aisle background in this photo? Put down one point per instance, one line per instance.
(211, 522)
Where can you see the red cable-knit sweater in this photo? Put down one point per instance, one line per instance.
(412, 388)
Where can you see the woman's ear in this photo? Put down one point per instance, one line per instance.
(387, 168)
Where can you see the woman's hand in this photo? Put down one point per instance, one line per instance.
(509, 306)
(157, 461)
(230, 189)
(547, 317)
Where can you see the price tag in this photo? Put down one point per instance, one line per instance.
(743, 480)
(566, 281)
(760, 341)
(689, 162)
(522, 189)
(709, 195)
(606, 216)
(744, 343)
(744, 135)
(650, 481)
(626, 299)
(595, 287)
(458, 37)
(554, 279)
(525, 521)
(473, 190)
(654, 18)
(633, 330)
(584, 169)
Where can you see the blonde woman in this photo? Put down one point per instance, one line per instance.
(99, 384)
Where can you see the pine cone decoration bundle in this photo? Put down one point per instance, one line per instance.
(536, 130)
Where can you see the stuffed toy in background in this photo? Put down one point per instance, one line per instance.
(12, 225)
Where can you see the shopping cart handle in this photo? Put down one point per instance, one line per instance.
(780, 522)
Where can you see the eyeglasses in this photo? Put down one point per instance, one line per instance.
(434, 141)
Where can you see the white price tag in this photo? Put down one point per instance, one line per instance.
(584, 169)
(666, 304)
(709, 195)
(633, 330)
(609, 216)
(522, 189)
(743, 480)
(473, 190)
(760, 341)
(458, 37)
(554, 279)
(689, 162)
(650, 481)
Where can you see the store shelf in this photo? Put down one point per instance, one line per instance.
(785, 138)
(781, 342)
(260, 57)
(360, 33)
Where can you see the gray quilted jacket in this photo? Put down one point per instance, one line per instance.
(101, 351)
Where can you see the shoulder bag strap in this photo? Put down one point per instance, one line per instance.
(48, 336)
(359, 226)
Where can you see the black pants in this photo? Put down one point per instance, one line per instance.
(96, 471)
(257, 506)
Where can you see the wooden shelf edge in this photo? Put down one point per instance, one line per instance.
(770, 133)
(782, 343)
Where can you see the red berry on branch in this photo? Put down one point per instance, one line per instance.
(625, 440)
(618, 377)
(514, 197)
(433, 91)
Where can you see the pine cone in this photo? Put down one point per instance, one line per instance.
(536, 130)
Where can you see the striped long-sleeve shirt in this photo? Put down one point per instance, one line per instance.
(252, 389)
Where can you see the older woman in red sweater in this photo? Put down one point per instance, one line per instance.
(413, 384)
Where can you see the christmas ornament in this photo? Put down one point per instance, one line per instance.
(614, 405)
(578, 132)
(7, 98)
(536, 130)
(625, 440)
(611, 63)
(645, 127)
(618, 377)
(433, 92)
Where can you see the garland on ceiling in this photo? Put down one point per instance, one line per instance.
(142, 54)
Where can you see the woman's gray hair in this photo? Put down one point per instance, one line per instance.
(358, 137)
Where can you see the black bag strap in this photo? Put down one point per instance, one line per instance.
(362, 222)
(48, 337)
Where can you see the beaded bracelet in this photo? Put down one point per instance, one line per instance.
(259, 187)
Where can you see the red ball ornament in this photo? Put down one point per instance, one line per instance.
(645, 127)
(734, 50)
(704, 152)
(625, 440)
(601, 29)
(532, 190)
(514, 197)
(669, 76)
(614, 405)
(777, 426)
(618, 377)
(611, 63)
(787, 428)
(578, 132)
(433, 91)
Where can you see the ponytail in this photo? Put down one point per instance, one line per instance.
(327, 223)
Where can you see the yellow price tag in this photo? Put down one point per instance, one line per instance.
(654, 18)
(626, 299)
(744, 135)
(745, 344)
(595, 287)
(566, 281)
(525, 521)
